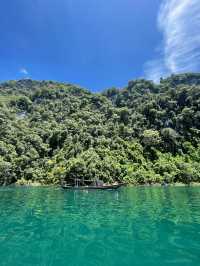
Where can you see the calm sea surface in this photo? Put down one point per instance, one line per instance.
(132, 226)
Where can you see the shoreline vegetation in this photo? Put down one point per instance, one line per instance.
(144, 133)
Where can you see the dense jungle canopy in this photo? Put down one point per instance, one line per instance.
(143, 133)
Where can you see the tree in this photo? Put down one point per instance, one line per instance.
(151, 138)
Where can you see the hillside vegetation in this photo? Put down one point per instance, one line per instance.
(143, 133)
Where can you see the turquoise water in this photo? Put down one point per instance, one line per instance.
(132, 226)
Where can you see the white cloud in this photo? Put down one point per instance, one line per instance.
(179, 21)
(24, 71)
(155, 69)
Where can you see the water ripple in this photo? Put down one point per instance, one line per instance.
(132, 226)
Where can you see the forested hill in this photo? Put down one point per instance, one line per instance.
(143, 133)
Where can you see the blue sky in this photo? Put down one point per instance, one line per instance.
(94, 43)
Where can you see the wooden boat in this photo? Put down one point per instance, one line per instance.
(103, 187)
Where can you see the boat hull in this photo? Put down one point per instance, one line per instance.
(106, 187)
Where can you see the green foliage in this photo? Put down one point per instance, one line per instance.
(151, 138)
(144, 133)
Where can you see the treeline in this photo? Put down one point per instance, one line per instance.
(143, 133)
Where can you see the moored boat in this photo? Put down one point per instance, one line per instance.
(101, 187)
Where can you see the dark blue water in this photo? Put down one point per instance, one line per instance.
(132, 226)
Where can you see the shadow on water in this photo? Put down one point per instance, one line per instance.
(131, 226)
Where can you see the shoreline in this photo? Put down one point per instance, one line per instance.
(38, 184)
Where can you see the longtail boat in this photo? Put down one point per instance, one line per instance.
(104, 187)
(79, 184)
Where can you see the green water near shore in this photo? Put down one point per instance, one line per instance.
(132, 226)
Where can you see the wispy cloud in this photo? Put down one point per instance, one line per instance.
(23, 71)
(179, 21)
